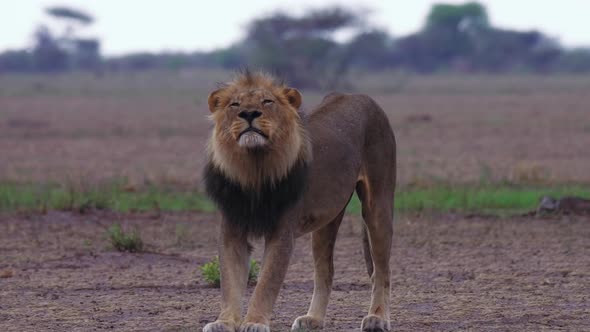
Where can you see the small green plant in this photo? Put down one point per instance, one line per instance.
(253, 272)
(124, 241)
(211, 273)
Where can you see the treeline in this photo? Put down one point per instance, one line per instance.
(454, 38)
(54, 52)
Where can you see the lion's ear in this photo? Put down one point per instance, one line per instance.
(293, 96)
(214, 100)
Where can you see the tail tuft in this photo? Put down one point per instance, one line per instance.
(367, 252)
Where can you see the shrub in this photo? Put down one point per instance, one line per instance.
(124, 241)
(211, 273)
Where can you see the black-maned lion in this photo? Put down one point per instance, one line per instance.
(277, 173)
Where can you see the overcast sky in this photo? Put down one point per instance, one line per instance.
(188, 25)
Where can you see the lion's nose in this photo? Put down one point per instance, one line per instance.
(249, 115)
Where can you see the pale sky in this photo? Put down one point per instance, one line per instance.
(188, 25)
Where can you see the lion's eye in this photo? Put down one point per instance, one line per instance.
(267, 102)
(236, 104)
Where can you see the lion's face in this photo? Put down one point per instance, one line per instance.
(256, 123)
(255, 119)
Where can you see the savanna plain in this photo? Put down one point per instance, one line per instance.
(81, 153)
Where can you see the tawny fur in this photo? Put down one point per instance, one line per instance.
(353, 149)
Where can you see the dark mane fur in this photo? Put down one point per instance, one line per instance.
(256, 212)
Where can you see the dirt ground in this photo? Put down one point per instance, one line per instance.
(450, 273)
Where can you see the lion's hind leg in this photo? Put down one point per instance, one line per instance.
(377, 211)
(322, 241)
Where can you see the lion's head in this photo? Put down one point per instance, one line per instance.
(258, 134)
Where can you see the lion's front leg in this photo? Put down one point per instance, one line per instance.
(277, 252)
(322, 242)
(234, 258)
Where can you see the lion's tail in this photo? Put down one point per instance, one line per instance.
(367, 252)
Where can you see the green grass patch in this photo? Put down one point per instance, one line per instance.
(490, 198)
(443, 198)
(113, 197)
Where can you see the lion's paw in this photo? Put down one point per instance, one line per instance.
(254, 327)
(307, 323)
(219, 326)
(374, 323)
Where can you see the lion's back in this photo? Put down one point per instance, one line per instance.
(348, 118)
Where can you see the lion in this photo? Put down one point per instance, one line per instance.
(277, 173)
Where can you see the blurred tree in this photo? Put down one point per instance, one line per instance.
(82, 53)
(414, 52)
(86, 54)
(231, 57)
(447, 31)
(507, 50)
(47, 55)
(302, 49)
(461, 38)
(16, 61)
(451, 17)
(70, 14)
(574, 61)
(370, 50)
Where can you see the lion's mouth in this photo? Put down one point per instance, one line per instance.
(255, 130)
(252, 138)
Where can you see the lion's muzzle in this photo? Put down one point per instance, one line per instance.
(252, 138)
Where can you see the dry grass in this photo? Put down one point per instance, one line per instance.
(151, 128)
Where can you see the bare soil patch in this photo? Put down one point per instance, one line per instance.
(450, 273)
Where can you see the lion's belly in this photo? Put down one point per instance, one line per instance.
(313, 221)
(328, 191)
